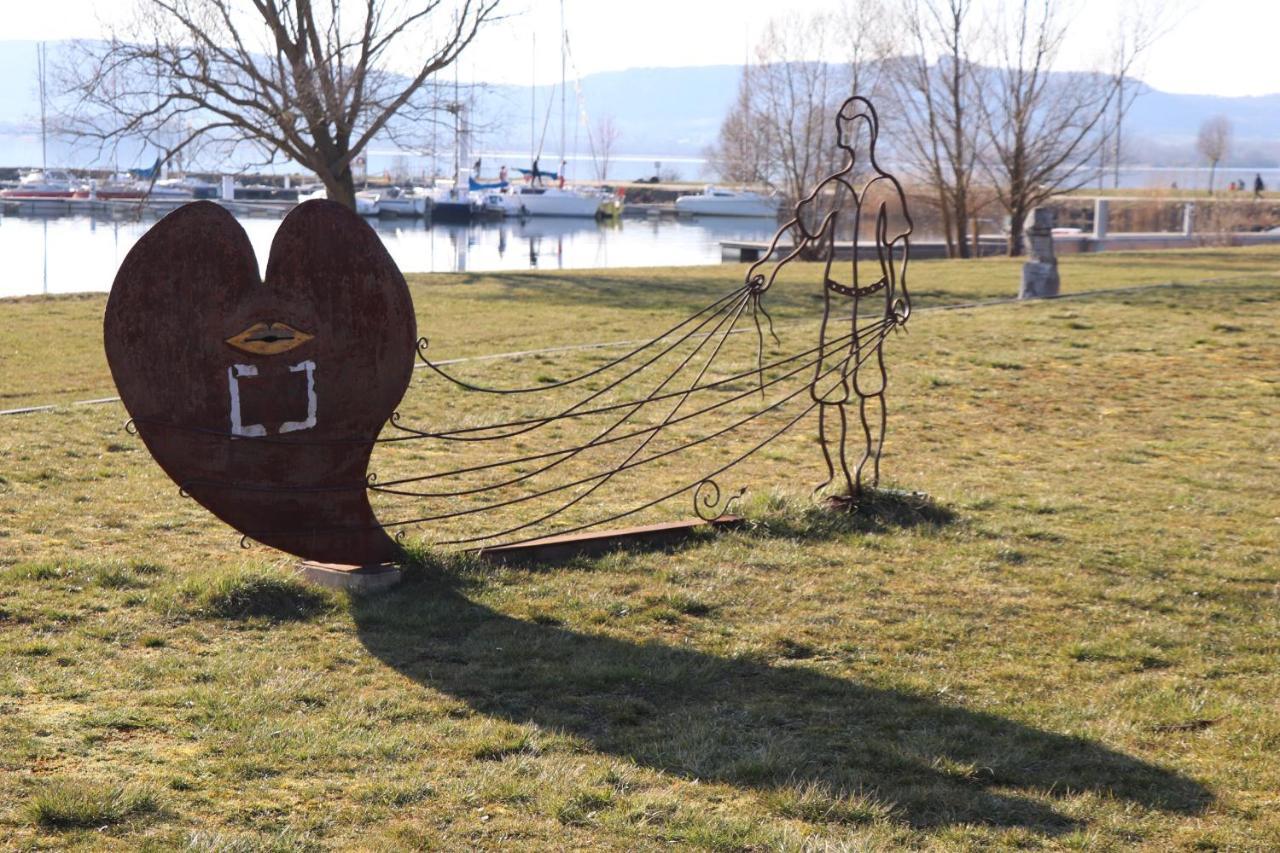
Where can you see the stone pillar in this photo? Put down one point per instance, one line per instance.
(1040, 273)
(1189, 218)
(228, 188)
(1101, 218)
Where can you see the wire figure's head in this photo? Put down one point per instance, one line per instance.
(854, 113)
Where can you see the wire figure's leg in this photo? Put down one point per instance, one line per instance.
(884, 420)
(849, 481)
(871, 411)
(826, 449)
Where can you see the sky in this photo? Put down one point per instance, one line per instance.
(1219, 47)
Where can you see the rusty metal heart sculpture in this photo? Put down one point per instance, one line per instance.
(263, 397)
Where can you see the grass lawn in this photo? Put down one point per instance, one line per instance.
(1071, 642)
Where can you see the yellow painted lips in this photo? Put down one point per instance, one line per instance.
(269, 338)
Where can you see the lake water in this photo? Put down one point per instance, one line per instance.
(82, 253)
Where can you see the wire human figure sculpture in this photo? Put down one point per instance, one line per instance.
(850, 363)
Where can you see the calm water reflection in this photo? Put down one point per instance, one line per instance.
(77, 253)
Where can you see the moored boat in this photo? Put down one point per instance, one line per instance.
(395, 201)
(198, 188)
(716, 201)
(41, 184)
(134, 191)
(366, 201)
(554, 201)
(454, 204)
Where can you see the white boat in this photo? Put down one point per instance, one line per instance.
(196, 187)
(398, 202)
(716, 201)
(453, 204)
(366, 202)
(553, 201)
(170, 192)
(41, 184)
(504, 202)
(120, 189)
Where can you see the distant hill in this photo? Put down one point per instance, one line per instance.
(657, 110)
(678, 111)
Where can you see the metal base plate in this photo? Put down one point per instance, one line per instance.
(602, 541)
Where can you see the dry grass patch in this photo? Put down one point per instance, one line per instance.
(1056, 631)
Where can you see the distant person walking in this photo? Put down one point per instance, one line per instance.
(1258, 186)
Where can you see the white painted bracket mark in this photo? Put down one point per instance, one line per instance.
(234, 373)
(309, 367)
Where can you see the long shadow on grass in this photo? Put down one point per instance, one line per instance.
(753, 724)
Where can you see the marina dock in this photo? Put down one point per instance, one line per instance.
(750, 251)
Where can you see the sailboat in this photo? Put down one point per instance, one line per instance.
(458, 203)
(41, 184)
(535, 199)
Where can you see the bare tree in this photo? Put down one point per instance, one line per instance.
(795, 96)
(310, 80)
(864, 33)
(1213, 143)
(939, 112)
(781, 130)
(604, 140)
(1139, 23)
(1041, 128)
(740, 154)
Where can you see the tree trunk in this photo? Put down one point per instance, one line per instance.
(945, 210)
(1213, 167)
(341, 188)
(961, 218)
(1017, 220)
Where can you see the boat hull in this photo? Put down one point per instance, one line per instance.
(35, 195)
(559, 203)
(403, 206)
(453, 211)
(700, 206)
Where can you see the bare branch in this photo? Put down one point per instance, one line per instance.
(296, 78)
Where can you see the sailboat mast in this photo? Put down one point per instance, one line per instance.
(457, 129)
(40, 70)
(435, 102)
(562, 87)
(533, 100)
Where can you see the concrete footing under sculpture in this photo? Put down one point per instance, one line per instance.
(353, 578)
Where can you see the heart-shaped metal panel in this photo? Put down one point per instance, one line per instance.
(262, 398)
